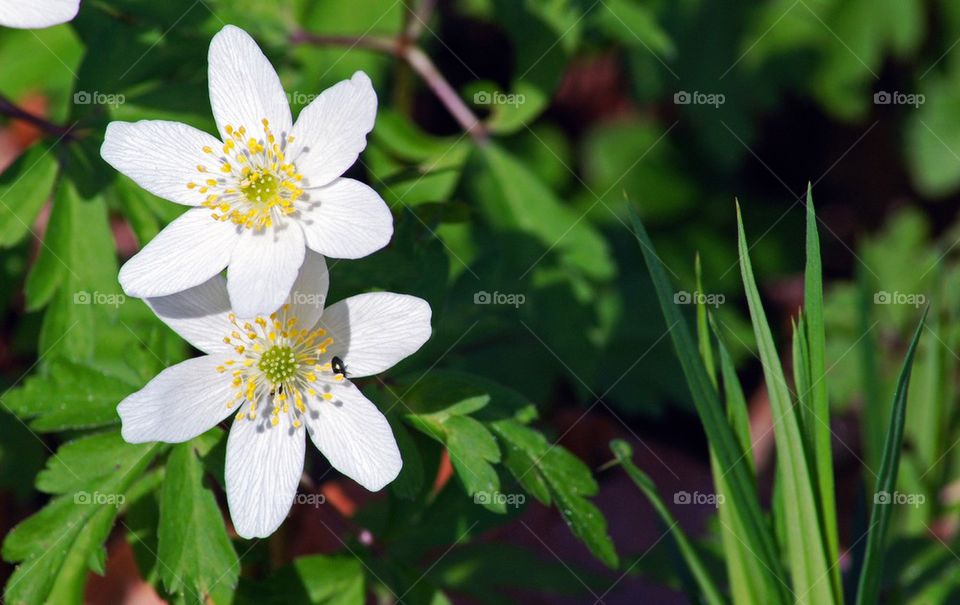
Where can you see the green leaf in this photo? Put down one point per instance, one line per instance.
(514, 198)
(472, 450)
(743, 569)
(51, 267)
(85, 294)
(198, 558)
(806, 541)
(411, 167)
(872, 569)
(634, 24)
(24, 188)
(708, 588)
(316, 579)
(568, 480)
(737, 412)
(813, 342)
(757, 535)
(57, 545)
(68, 395)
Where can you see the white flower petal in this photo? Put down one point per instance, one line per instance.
(309, 293)
(200, 314)
(160, 156)
(372, 332)
(34, 14)
(189, 251)
(264, 265)
(181, 402)
(332, 130)
(244, 87)
(345, 219)
(264, 465)
(355, 437)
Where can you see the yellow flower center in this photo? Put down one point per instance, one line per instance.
(278, 364)
(251, 182)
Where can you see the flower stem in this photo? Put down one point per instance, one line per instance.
(403, 48)
(10, 109)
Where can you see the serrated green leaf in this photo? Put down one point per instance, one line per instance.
(473, 451)
(569, 482)
(513, 198)
(24, 188)
(68, 395)
(57, 545)
(198, 558)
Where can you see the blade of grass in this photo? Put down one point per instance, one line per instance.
(805, 541)
(744, 571)
(757, 535)
(869, 583)
(737, 411)
(801, 378)
(703, 334)
(819, 408)
(711, 594)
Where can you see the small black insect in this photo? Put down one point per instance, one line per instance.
(338, 368)
(279, 390)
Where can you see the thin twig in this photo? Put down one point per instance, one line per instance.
(418, 61)
(12, 110)
(421, 63)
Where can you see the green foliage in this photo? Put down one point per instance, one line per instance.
(577, 112)
(193, 544)
(88, 479)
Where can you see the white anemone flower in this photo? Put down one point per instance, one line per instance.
(36, 14)
(281, 377)
(262, 193)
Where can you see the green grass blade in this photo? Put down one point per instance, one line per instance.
(703, 333)
(744, 571)
(869, 582)
(737, 411)
(757, 535)
(708, 588)
(805, 542)
(819, 405)
(801, 379)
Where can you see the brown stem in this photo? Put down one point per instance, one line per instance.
(386, 45)
(418, 62)
(10, 109)
(421, 63)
